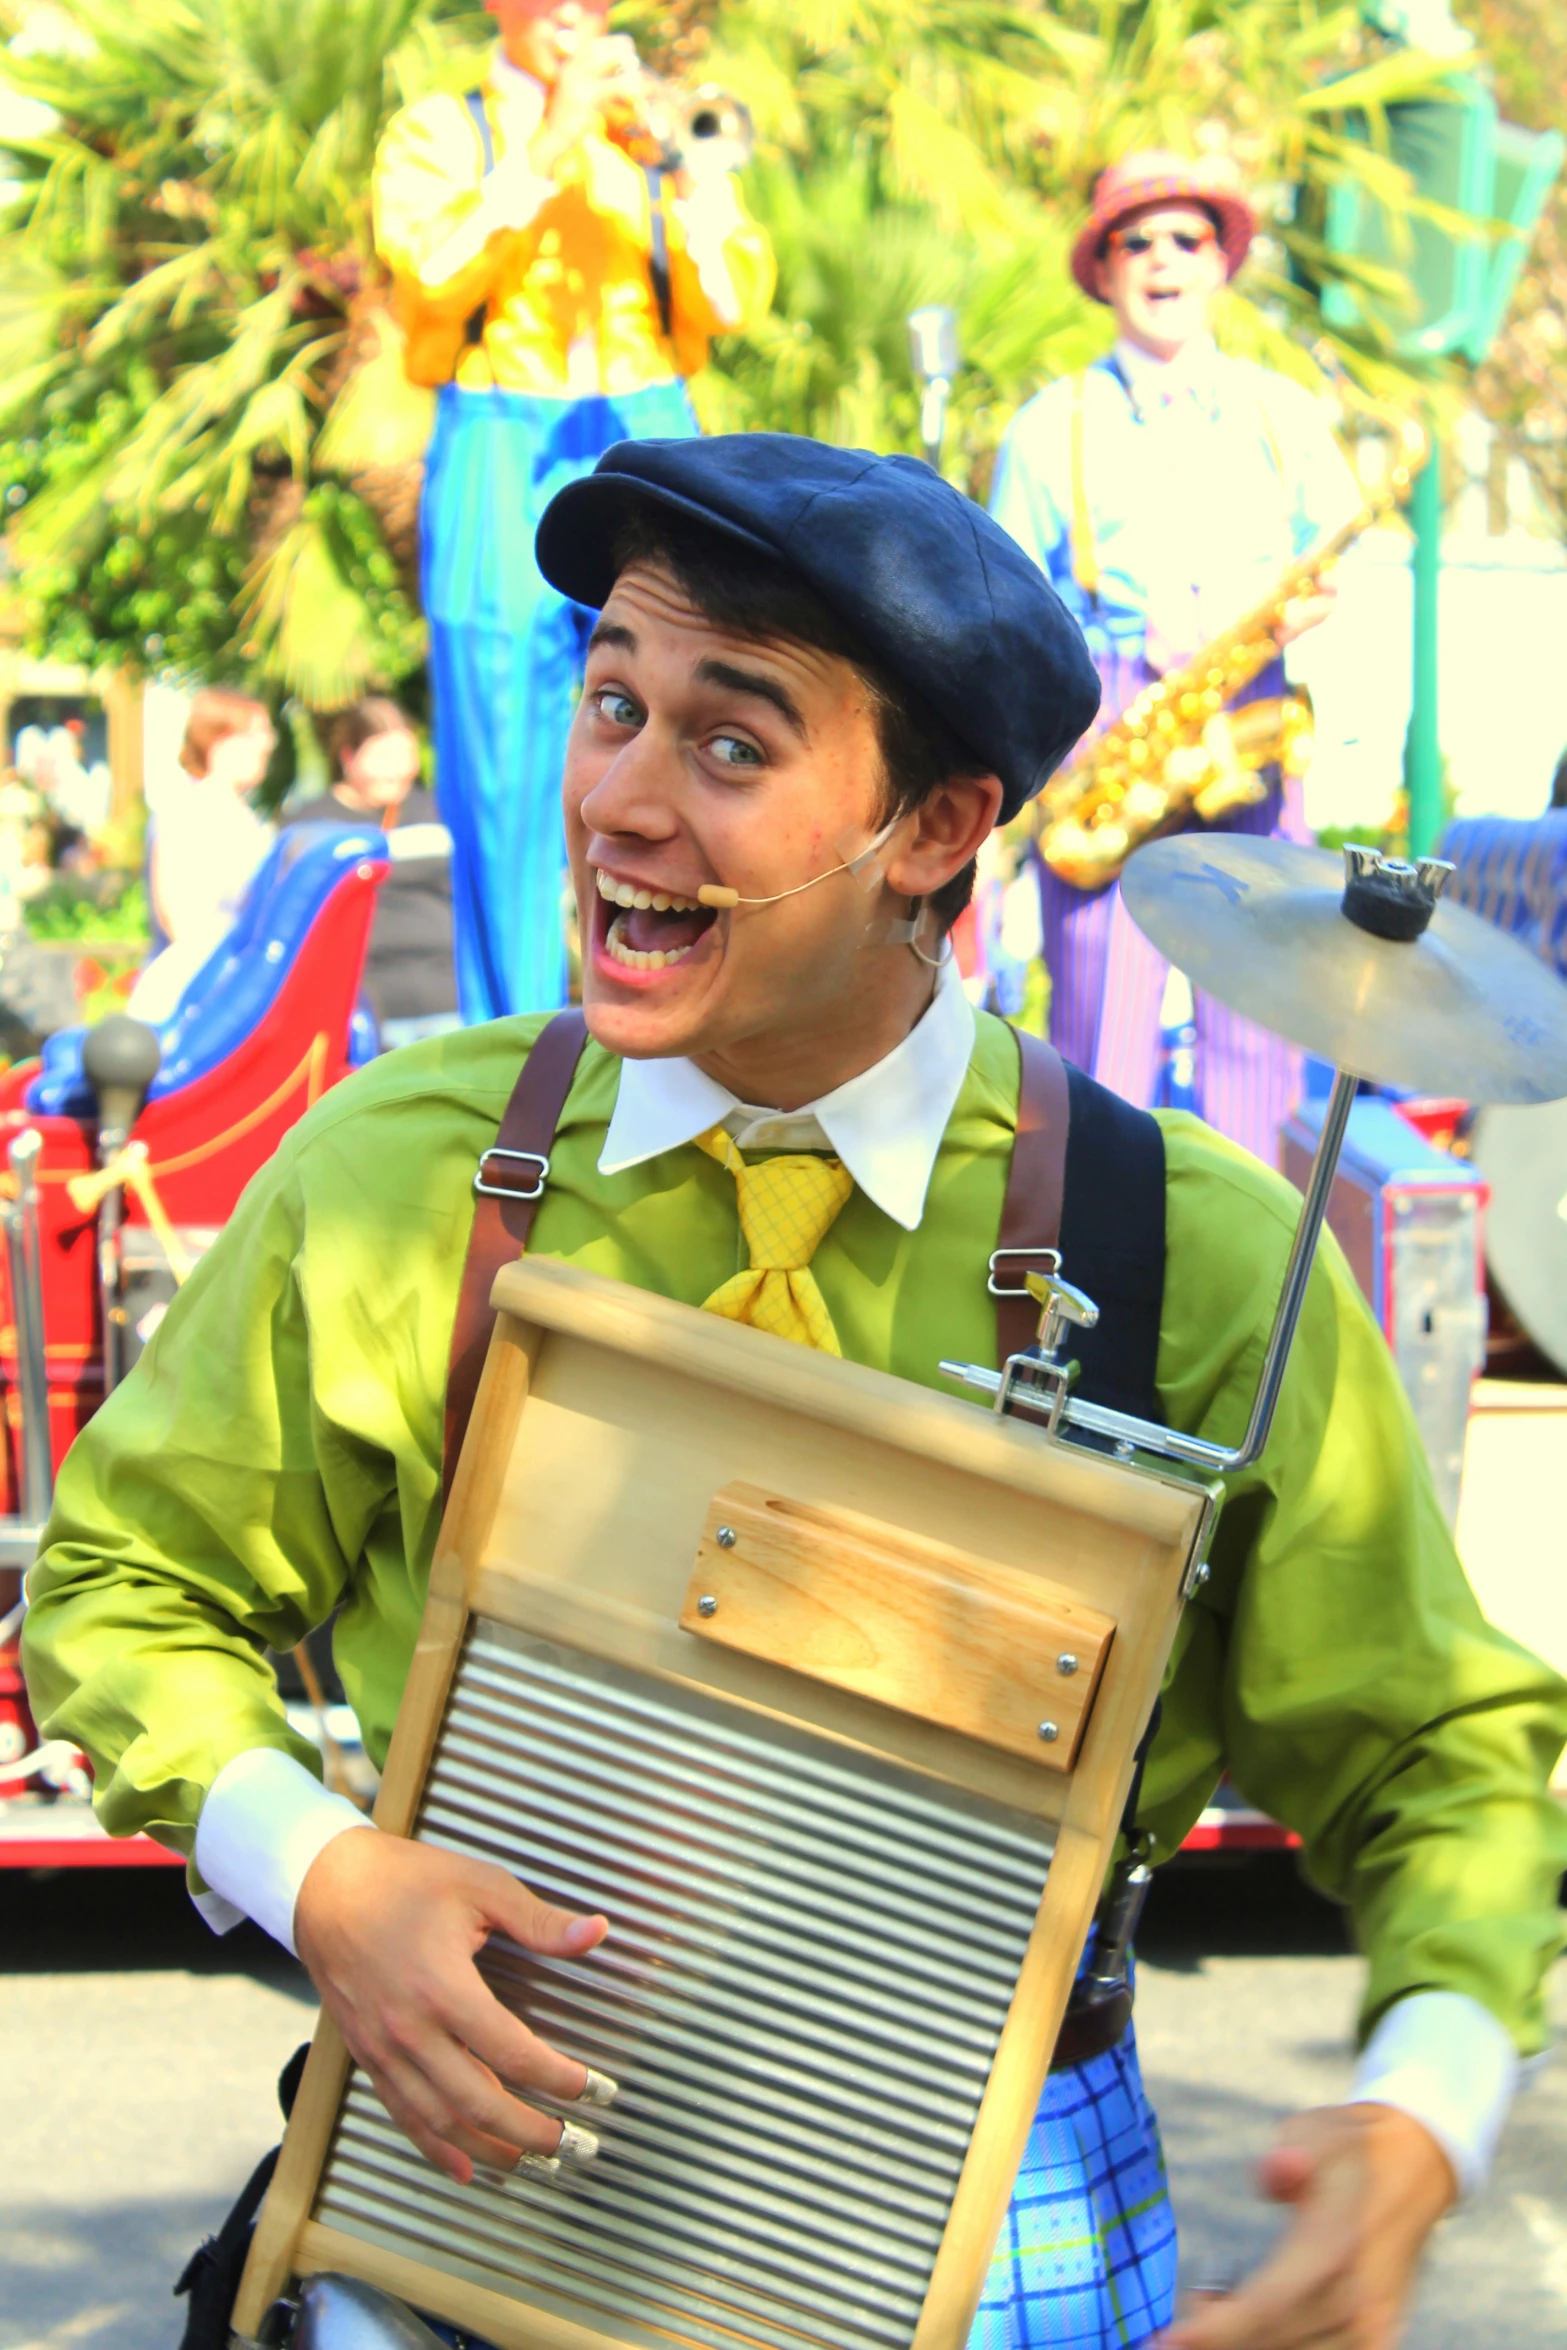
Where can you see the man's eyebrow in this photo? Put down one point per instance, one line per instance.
(750, 681)
(612, 632)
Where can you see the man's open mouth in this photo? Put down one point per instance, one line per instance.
(649, 928)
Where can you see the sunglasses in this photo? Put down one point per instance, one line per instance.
(1135, 241)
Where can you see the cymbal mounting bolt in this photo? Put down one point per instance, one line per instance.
(1049, 1732)
(727, 1538)
(707, 1605)
(1066, 1664)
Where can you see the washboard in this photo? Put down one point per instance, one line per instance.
(826, 1689)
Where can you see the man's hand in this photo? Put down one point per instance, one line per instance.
(598, 75)
(389, 1931)
(1368, 2184)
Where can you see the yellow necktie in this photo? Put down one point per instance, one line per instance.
(787, 1208)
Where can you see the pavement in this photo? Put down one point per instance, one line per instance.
(138, 2056)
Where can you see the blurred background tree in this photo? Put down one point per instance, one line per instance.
(916, 151)
(1522, 388)
(209, 452)
(190, 316)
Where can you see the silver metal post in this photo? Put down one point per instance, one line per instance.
(1146, 1435)
(111, 1215)
(25, 1259)
(934, 354)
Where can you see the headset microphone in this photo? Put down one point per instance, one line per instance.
(722, 899)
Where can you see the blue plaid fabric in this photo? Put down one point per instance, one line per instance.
(1086, 2259)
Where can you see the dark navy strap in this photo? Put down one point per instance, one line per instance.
(658, 257)
(474, 101)
(1112, 1244)
(478, 319)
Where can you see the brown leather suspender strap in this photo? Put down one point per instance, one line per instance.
(509, 1184)
(513, 1171)
(1031, 1216)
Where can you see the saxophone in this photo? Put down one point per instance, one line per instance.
(1178, 751)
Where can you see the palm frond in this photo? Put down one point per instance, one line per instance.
(308, 625)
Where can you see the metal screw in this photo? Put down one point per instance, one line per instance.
(707, 1605)
(1066, 1664)
(1123, 1449)
(1049, 1732)
(1199, 1575)
(727, 1538)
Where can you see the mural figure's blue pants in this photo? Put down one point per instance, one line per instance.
(506, 652)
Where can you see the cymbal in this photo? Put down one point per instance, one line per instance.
(1463, 1009)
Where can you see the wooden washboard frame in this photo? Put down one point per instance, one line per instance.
(613, 1431)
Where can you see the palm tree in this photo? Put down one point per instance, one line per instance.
(210, 449)
(945, 151)
(196, 371)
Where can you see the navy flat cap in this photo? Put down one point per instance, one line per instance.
(929, 584)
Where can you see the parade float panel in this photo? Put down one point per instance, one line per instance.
(826, 1688)
(260, 1034)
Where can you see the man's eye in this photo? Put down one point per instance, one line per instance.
(618, 708)
(732, 750)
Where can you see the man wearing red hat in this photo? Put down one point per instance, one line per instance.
(1163, 491)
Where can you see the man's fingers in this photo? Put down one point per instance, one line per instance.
(473, 2102)
(536, 1924)
(442, 2112)
(1301, 2299)
(408, 2112)
(509, 2047)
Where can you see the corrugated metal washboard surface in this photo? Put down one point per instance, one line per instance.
(811, 1959)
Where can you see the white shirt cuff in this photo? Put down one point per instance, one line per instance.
(264, 1821)
(1444, 2059)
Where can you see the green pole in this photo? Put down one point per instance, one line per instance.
(1423, 747)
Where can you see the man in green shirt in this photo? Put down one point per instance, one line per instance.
(809, 660)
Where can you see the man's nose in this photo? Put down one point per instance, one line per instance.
(636, 791)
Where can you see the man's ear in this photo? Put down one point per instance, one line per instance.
(948, 829)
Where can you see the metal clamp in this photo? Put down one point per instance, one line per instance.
(1040, 1381)
(1065, 1307)
(505, 1190)
(1049, 1257)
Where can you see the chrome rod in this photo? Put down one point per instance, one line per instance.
(25, 1260)
(1123, 1428)
(1297, 1272)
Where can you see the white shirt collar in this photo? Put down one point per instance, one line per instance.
(1156, 382)
(885, 1125)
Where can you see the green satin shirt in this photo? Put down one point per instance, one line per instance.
(277, 1454)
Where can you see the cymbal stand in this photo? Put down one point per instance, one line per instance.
(1037, 1384)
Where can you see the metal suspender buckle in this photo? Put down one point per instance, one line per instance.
(506, 1184)
(1049, 1259)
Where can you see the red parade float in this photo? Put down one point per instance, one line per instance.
(123, 1151)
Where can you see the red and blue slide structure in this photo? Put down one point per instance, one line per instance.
(268, 1024)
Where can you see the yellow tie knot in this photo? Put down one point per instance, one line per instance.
(787, 1208)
